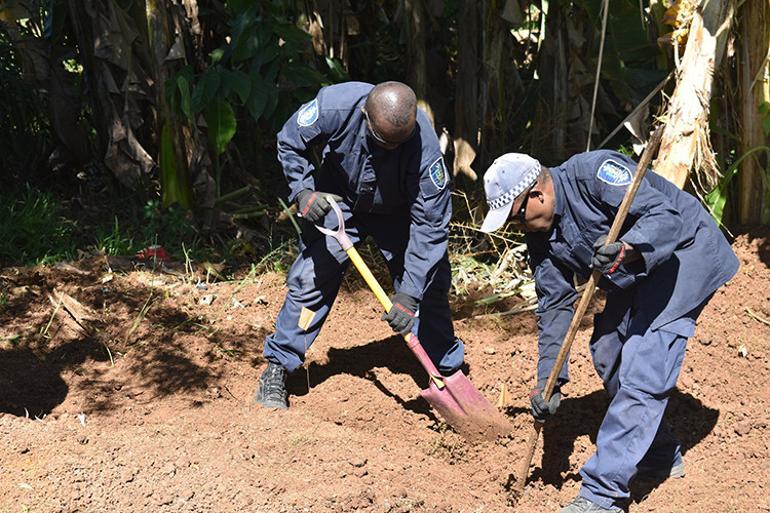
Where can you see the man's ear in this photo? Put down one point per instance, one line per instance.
(537, 194)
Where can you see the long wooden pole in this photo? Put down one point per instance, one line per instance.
(582, 306)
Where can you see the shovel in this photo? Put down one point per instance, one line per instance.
(454, 397)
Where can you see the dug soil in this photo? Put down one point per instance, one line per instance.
(129, 390)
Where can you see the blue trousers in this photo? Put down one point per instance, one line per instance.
(639, 367)
(315, 277)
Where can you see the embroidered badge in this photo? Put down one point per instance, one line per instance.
(614, 173)
(308, 114)
(438, 173)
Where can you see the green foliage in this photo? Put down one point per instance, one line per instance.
(259, 71)
(172, 189)
(32, 229)
(630, 58)
(114, 242)
(220, 119)
(717, 198)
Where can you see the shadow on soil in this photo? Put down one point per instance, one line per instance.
(690, 420)
(158, 353)
(361, 361)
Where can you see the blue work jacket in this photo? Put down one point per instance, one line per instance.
(685, 255)
(372, 180)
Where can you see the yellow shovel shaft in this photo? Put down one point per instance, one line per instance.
(370, 280)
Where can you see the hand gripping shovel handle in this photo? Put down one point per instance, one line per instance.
(585, 300)
(347, 245)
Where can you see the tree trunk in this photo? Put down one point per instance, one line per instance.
(467, 89)
(107, 37)
(754, 90)
(686, 144)
(417, 29)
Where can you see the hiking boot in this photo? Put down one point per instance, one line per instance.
(582, 505)
(272, 388)
(676, 471)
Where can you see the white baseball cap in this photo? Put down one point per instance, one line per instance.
(507, 177)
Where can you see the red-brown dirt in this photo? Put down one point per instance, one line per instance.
(146, 407)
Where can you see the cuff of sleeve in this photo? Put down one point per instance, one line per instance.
(299, 186)
(642, 246)
(621, 278)
(411, 292)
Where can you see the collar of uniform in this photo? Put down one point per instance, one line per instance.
(558, 191)
(358, 117)
(559, 201)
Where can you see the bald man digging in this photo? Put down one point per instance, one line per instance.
(381, 162)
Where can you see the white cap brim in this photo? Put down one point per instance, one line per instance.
(496, 218)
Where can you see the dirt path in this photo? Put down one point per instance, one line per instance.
(145, 405)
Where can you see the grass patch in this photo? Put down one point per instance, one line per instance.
(40, 227)
(33, 229)
(114, 242)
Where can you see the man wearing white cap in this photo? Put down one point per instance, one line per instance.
(666, 265)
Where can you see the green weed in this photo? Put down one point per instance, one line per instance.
(32, 229)
(115, 242)
(3, 301)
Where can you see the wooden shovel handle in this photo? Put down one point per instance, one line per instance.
(585, 300)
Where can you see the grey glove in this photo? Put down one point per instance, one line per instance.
(313, 206)
(401, 314)
(541, 410)
(608, 257)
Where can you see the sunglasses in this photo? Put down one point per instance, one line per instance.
(377, 137)
(519, 215)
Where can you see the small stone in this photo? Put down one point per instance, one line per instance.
(489, 350)
(207, 300)
(743, 351)
(360, 472)
(705, 341)
(742, 428)
(358, 462)
(260, 301)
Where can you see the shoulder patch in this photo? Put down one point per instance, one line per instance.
(308, 114)
(614, 173)
(438, 173)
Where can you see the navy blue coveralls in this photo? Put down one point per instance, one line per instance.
(399, 197)
(639, 340)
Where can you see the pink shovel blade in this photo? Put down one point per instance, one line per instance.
(465, 409)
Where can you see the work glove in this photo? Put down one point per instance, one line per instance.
(608, 257)
(313, 206)
(401, 314)
(541, 410)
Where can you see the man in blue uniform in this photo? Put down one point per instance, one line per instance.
(666, 265)
(380, 160)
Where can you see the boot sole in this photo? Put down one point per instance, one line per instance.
(271, 405)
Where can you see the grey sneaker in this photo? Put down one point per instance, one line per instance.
(582, 505)
(660, 474)
(272, 388)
